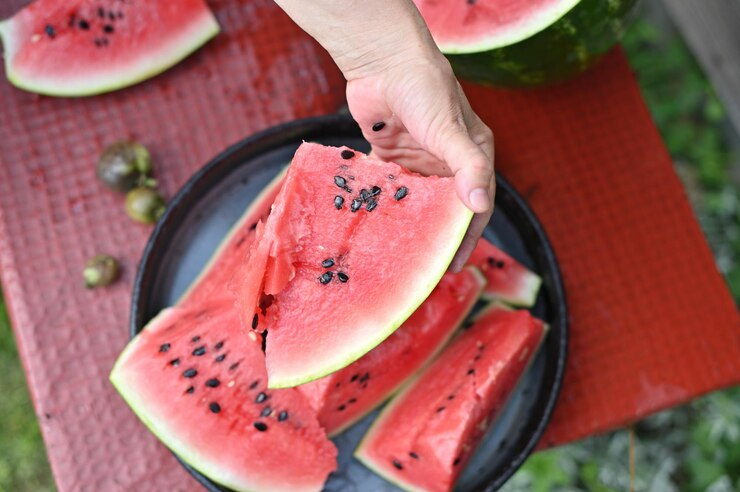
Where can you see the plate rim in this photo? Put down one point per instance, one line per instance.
(343, 125)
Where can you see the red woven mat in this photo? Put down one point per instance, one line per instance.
(652, 323)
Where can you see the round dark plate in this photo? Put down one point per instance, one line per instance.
(206, 207)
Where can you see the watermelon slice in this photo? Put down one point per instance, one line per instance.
(199, 385)
(215, 276)
(508, 280)
(352, 247)
(84, 47)
(524, 42)
(344, 397)
(425, 436)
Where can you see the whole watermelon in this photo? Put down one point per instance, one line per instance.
(525, 42)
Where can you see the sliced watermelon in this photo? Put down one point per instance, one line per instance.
(508, 280)
(199, 385)
(352, 247)
(524, 42)
(425, 436)
(344, 397)
(84, 47)
(215, 276)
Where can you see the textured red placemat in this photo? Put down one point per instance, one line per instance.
(652, 324)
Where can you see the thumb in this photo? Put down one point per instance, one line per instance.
(473, 169)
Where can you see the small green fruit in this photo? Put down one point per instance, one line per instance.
(125, 165)
(145, 205)
(100, 270)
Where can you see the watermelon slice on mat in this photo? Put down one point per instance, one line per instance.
(425, 436)
(200, 386)
(352, 247)
(344, 397)
(508, 280)
(84, 47)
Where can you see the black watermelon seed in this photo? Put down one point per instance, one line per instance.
(338, 202)
(190, 373)
(108, 29)
(199, 351)
(352, 400)
(261, 397)
(112, 15)
(365, 377)
(343, 277)
(347, 188)
(414, 455)
(164, 347)
(477, 357)
(499, 264)
(264, 341)
(254, 384)
(215, 407)
(101, 12)
(282, 416)
(220, 358)
(456, 462)
(364, 195)
(375, 191)
(253, 226)
(49, 29)
(213, 383)
(356, 204)
(260, 426)
(340, 181)
(397, 464)
(471, 372)
(219, 345)
(378, 126)
(401, 193)
(175, 362)
(341, 407)
(441, 409)
(266, 412)
(255, 321)
(190, 390)
(371, 205)
(233, 366)
(195, 338)
(451, 397)
(327, 263)
(354, 378)
(84, 25)
(347, 154)
(326, 278)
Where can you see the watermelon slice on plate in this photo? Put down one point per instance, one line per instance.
(200, 386)
(352, 247)
(344, 397)
(507, 279)
(425, 436)
(85, 47)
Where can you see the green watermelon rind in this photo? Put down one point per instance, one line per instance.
(208, 30)
(569, 45)
(370, 463)
(247, 216)
(539, 24)
(526, 297)
(434, 273)
(158, 427)
(433, 355)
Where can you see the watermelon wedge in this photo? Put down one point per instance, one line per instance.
(507, 280)
(215, 276)
(344, 397)
(425, 436)
(352, 247)
(200, 386)
(85, 47)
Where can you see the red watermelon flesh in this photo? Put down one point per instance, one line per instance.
(425, 436)
(83, 47)
(344, 397)
(215, 276)
(199, 385)
(508, 280)
(385, 237)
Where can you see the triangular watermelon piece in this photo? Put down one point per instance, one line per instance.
(508, 280)
(352, 247)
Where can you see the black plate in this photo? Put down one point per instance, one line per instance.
(212, 200)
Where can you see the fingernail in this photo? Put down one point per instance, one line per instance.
(479, 200)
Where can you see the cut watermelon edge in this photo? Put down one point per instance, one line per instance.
(536, 25)
(432, 356)
(525, 298)
(204, 32)
(434, 273)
